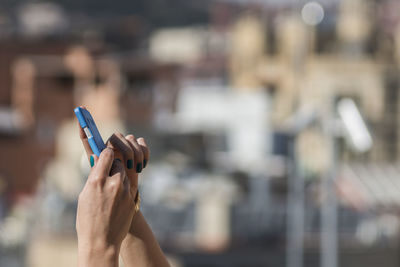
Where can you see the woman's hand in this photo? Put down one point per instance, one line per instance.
(134, 152)
(105, 211)
(135, 155)
(139, 247)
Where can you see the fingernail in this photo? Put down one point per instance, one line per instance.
(139, 168)
(118, 160)
(129, 164)
(144, 163)
(91, 161)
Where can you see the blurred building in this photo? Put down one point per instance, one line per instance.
(42, 83)
(219, 103)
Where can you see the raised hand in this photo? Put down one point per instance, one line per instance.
(105, 211)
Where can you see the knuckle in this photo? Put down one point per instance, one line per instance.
(118, 141)
(130, 137)
(142, 142)
(115, 185)
(94, 181)
(112, 137)
(119, 136)
(108, 152)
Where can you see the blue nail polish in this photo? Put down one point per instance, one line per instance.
(144, 163)
(129, 164)
(139, 168)
(91, 161)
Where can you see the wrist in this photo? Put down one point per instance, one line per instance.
(133, 235)
(99, 254)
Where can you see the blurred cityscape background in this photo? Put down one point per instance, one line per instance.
(274, 126)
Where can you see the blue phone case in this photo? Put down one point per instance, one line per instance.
(89, 127)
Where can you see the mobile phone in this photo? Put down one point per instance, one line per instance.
(89, 127)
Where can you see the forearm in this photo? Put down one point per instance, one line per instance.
(101, 256)
(140, 248)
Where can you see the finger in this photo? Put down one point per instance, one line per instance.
(85, 142)
(132, 174)
(117, 168)
(117, 175)
(145, 150)
(137, 150)
(104, 163)
(117, 154)
(93, 160)
(122, 150)
(118, 142)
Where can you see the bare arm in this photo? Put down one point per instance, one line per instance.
(140, 247)
(104, 214)
(102, 256)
